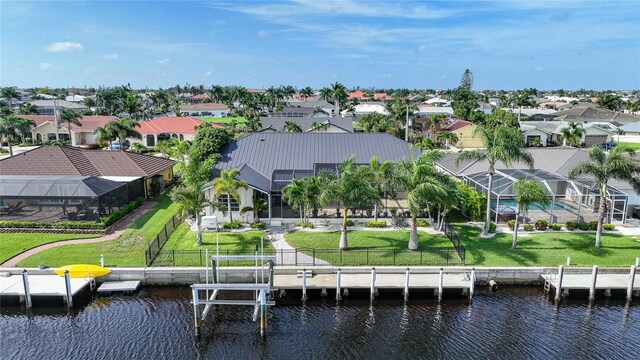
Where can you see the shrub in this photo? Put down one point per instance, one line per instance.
(511, 224)
(528, 227)
(570, 225)
(376, 224)
(583, 226)
(325, 222)
(556, 227)
(351, 223)
(93, 146)
(541, 225)
(492, 228)
(257, 225)
(400, 221)
(422, 223)
(593, 225)
(235, 224)
(609, 227)
(57, 225)
(304, 225)
(121, 212)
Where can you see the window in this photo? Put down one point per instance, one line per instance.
(234, 204)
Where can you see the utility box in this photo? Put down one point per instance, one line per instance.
(210, 222)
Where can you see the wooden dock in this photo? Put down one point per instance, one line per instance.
(566, 280)
(119, 286)
(41, 285)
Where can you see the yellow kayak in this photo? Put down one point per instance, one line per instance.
(82, 271)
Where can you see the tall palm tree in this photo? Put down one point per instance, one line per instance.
(527, 192)
(383, 179)
(338, 95)
(290, 126)
(306, 93)
(447, 138)
(227, 184)
(352, 188)
(320, 126)
(522, 98)
(502, 144)
(610, 101)
(193, 199)
(132, 105)
(602, 167)
(12, 127)
(423, 184)
(9, 93)
(295, 195)
(572, 134)
(28, 109)
(434, 124)
(70, 117)
(120, 128)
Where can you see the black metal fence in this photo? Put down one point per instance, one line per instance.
(452, 234)
(319, 257)
(158, 242)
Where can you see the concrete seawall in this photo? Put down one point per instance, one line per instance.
(188, 276)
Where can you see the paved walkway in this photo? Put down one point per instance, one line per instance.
(124, 224)
(279, 243)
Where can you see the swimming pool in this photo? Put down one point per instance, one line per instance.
(535, 206)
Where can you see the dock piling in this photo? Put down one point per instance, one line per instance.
(440, 284)
(27, 291)
(373, 283)
(472, 283)
(632, 276)
(102, 260)
(263, 313)
(568, 260)
(196, 310)
(304, 285)
(559, 287)
(406, 285)
(338, 291)
(67, 283)
(637, 261)
(594, 280)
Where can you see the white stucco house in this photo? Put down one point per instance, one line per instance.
(205, 110)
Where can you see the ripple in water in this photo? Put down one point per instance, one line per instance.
(156, 323)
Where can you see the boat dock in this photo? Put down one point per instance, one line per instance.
(42, 286)
(119, 286)
(566, 280)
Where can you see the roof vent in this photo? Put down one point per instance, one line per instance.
(261, 139)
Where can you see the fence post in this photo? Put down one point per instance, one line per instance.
(394, 257)
(173, 261)
(314, 257)
(367, 256)
(296, 258)
(166, 236)
(200, 257)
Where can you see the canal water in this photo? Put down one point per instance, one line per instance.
(157, 323)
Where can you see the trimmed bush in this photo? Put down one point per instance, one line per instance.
(570, 225)
(511, 224)
(46, 225)
(492, 228)
(609, 227)
(257, 225)
(121, 212)
(422, 223)
(584, 226)
(556, 227)
(304, 225)
(593, 225)
(351, 223)
(235, 224)
(528, 227)
(376, 224)
(541, 224)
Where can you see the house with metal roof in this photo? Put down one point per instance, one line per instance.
(544, 133)
(588, 114)
(631, 129)
(269, 161)
(308, 124)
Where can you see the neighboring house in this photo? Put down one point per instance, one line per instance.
(632, 128)
(298, 112)
(382, 97)
(526, 112)
(269, 161)
(573, 104)
(426, 110)
(326, 107)
(437, 101)
(550, 133)
(198, 99)
(538, 133)
(358, 94)
(551, 105)
(163, 128)
(80, 135)
(329, 124)
(145, 175)
(205, 110)
(45, 107)
(368, 108)
(464, 130)
(588, 114)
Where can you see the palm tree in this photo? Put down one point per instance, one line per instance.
(120, 128)
(323, 126)
(106, 133)
(383, 179)
(502, 143)
(619, 132)
(526, 192)
(70, 117)
(295, 195)
(28, 109)
(192, 198)
(447, 137)
(602, 167)
(572, 134)
(423, 184)
(610, 101)
(435, 122)
(228, 185)
(352, 188)
(306, 93)
(338, 95)
(290, 126)
(12, 127)
(9, 93)
(259, 205)
(521, 99)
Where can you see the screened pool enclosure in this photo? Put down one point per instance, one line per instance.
(59, 198)
(576, 200)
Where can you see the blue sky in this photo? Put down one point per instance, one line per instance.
(413, 44)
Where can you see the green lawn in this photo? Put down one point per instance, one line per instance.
(385, 247)
(185, 239)
(127, 250)
(549, 249)
(224, 120)
(634, 146)
(13, 244)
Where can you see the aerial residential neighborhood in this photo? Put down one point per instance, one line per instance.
(320, 180)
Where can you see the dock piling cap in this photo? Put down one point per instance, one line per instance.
(82, 271)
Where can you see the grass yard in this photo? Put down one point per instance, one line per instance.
(385, 247)
(225, 120)
(13, 244)
(549, 249)
(634, 146)
(126, 250)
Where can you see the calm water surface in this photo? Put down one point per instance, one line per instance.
(156, 323)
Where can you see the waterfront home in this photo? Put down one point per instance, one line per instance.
(168, 127)
(545, 133)
(205, 110)
(631, 129)
(368, 108)
(427, 109)
(46, 107)
(269, 161)
(589, 114)
(299, 112)
(45, 129)
(308, 124)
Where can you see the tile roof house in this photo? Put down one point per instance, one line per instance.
(269, 161)
(80, 135)
(163, 128)
(205, 110)
(358, 94)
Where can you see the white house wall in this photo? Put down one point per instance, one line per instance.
(245, 200)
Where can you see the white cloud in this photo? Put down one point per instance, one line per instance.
(110, 57)
(263, 33)
(208, 73)
(421, 48)
(66, 46)
(163, 61)
(46, 66)
(538, 69)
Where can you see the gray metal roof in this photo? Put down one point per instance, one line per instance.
(633, 127)
(265, 153)
(587, 113)
(55, 186)
(277, 123)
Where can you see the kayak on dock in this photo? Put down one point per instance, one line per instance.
(82, 271)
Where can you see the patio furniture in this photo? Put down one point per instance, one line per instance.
(11, 208)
